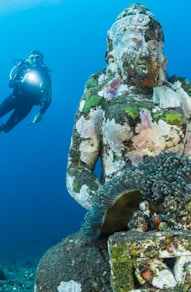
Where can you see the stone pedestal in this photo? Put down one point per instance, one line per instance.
(150, 261)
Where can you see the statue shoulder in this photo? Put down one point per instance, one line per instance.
(95, 80)
(185, 83)
(91, 99)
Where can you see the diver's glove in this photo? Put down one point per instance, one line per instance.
(26, 77)
(37, 118)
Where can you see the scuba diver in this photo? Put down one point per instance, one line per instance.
(31, 83)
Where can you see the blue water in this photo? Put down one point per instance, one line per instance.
(35, 209)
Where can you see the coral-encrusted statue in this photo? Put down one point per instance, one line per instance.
(130, 110)
(135, 122)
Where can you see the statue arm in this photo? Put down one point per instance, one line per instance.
(84, 151)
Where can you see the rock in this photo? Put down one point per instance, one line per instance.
(78, 259)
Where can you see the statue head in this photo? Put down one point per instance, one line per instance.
(135, 47)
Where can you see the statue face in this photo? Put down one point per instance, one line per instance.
(136, 51)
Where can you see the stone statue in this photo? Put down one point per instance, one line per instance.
(133, 121)
(130, 110)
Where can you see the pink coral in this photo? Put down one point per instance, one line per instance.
(113, 86)
(146, 119)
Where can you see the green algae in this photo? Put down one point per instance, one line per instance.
(77, 185)
(125, 109)
(91, 101)
(133, 109)
(81, 179)
(172, 118)
(122, 277)
(92, 82)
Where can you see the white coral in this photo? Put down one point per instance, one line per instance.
(164, 279)
(89, 127)
(166, 97)
(70, 286)
(82, 197)
(179, 267)
(111, 165)
(89, 151)
(115, 134)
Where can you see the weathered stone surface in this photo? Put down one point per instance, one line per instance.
(77, 259)
(151, 261)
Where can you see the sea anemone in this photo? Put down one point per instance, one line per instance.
(116, 202)
(169, 173)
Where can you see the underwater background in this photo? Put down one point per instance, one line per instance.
(36, 210)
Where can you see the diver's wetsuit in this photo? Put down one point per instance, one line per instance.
(22, 106)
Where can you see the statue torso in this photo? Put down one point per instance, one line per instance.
(132, 125)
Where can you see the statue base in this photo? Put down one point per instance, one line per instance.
(150, 261)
